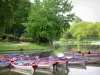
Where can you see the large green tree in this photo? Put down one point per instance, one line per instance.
(48, 19)
(13, 13)
(7, 8)
(19, 18)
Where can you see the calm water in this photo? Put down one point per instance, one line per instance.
(90, 70)
(93, 69)
(82, 47)
(73, 70)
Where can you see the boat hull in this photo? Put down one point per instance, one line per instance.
(92, 61)
(22, 67)
(91, 55)
(3, 66)
(76, 61)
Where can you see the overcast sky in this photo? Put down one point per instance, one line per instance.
(87, 10)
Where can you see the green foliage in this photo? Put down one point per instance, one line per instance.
(12, 14)
(47, 19)
(11, 38)
(77, 19)
(15, 29)
(85, 30)
(25, 39)
(21, 14)
(97, 24)
(7, 10)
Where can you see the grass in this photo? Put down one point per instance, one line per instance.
(31, 46)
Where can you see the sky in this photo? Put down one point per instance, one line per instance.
(87, 10)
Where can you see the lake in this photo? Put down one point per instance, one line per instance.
(73, 70)
(89, 69)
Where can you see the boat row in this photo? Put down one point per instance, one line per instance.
(83, 54)
(33, 62)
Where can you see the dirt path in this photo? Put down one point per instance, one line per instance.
(22, 43)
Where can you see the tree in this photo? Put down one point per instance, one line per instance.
(79, 28)
(97, 24)
(7, 8)
(77, 19)
(92, 32)
(85, 29)
(12, 14)
(19, 18)
(48, 19)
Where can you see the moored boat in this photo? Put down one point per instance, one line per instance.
(76, 61)
(61, 60)
(46, 62)
(92, 60)
(24, 64)
(91, 55)
(4, 64)
(78, 55)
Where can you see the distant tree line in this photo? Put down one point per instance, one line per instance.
(85, 30)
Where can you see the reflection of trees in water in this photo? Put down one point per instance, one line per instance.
(82, 47)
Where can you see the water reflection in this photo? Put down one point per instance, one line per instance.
(93, 69)
(82, 47)
(90, 69)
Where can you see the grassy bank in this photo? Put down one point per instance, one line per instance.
(25, 46)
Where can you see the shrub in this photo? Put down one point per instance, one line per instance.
(12, 38)
(24, 39)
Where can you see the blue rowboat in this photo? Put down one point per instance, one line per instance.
(24, 64)
(4, 64)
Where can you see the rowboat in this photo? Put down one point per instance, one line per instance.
(19, 57)
(4, 64)
(61, 60)
(76, 61)
(91, 55)
(41, 62)
(92, 60)
(24, 64)
(1, 57)
(78, 55)
(44, 64)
